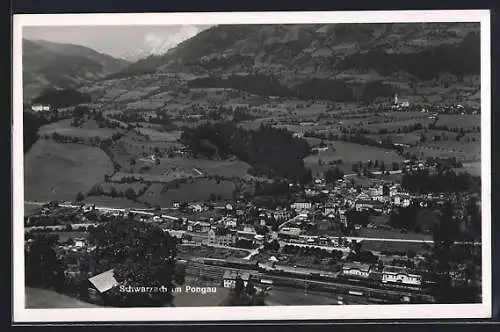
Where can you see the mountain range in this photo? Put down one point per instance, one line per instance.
(55, 65)
(343, 62)
(304, 47)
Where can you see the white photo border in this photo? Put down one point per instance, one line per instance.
(268, 313)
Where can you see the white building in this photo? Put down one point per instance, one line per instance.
(230, 222)
(229, 279)
(80, 243)
(403, 201)
(196, 208)
(299, 206)
(400, 275)
(356, 270)
(40, 108)
(290, 232)
(221, 240)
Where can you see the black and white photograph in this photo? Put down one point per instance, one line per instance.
(258, 166)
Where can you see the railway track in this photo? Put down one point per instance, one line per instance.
(381, 294)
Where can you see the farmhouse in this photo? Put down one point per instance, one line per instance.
(298, 206)
(230, 222)
(400, 200)
(100, 284)
(400, 275)
(289, 233)
(198, 226)
(279, 214)
(149, 114)
(229, 278)
(80, 243)
(175, 233)
(362, 205)
(40, 107)
(196, 208)
(222, 240)
(320, 148)
(356, 270)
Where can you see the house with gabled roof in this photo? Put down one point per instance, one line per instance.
(100, 284)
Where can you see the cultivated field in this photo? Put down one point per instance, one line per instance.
(137, 94)
(136, 186)
(198, 190)
(115, 202)
(197, 167)
(145, 104)
(388, 234)
(349, 153)
(460, 121)
(474, 168)
(168, 175)
(56, 171)
(156, 135)
(65, 236)
(418, 247)
(89, 129)
(464, 151)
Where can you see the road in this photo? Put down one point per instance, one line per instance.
(198, 171)
(99, 208)
(288, 221)
(254, 252)
(148, 213)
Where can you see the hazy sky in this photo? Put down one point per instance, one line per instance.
(117, 41)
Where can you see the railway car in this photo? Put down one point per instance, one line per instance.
(213, 261)
(232, 263)
(242, 264)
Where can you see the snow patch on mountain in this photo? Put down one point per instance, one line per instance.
(155, 43)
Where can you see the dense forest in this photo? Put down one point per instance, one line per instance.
(336, 90)
(31, 125)
(257, 84)
(272, 152)
(458, 60)
(339, 90)
(449, 181)
(62, 98)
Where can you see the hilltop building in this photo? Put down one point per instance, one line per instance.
(40, 107)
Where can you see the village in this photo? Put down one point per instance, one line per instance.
(330, 233)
